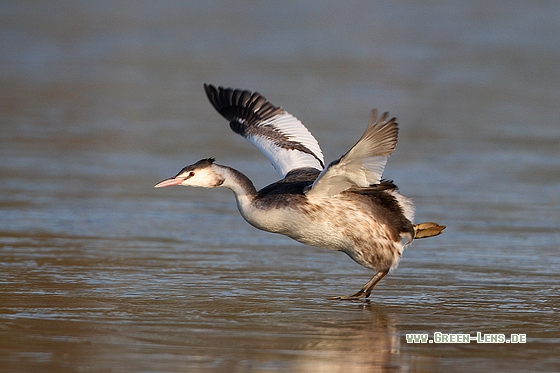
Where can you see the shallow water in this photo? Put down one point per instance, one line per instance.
(101, 272)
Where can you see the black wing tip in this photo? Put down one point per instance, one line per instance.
(229, 97)
(210, 89)
(241, 107)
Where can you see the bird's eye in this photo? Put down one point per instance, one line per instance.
(191, 174)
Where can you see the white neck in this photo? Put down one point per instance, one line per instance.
(255, 213)
(235, 180)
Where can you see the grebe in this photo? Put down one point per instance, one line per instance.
(345, 206)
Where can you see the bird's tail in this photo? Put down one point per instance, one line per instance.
(428, 229)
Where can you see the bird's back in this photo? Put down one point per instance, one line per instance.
(359, 222)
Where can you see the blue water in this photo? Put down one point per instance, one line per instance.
(99, 101)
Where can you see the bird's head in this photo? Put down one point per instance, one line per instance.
(203, 174)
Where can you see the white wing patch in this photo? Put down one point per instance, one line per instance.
(287, 144)
(280, 136)
(363, 165)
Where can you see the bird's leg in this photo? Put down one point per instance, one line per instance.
(366, 289)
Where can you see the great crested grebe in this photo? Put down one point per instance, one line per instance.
(345, 206)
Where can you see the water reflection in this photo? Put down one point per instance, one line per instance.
(372, 344)
(135, 304)
(139, 331)
(108, 310)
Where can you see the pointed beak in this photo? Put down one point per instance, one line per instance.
(169, 182)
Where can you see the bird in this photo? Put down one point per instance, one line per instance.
(346, 206)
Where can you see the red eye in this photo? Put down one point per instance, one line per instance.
(191, 174)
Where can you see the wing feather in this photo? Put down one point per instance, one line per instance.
(362, 166)
(280, 136)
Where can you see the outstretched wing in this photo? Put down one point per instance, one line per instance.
(362, 166)
(281, 137)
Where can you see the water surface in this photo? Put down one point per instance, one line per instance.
(101, 272)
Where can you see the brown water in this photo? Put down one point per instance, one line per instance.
(100, 272)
